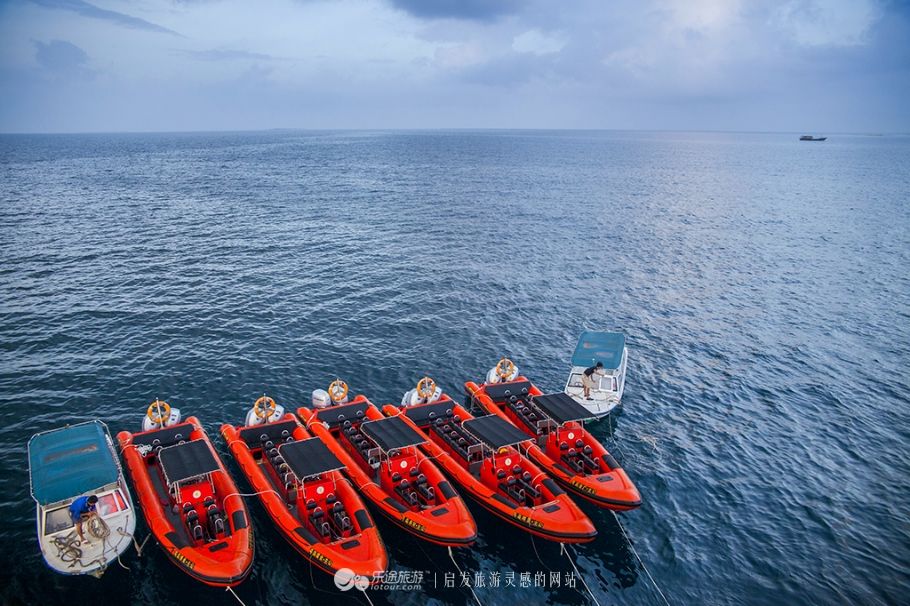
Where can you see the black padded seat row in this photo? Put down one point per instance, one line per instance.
(502, 391)
(336, 415)
(163, 437)
(427, 413)
(274, 432)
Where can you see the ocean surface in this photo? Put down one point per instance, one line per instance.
(763, 285)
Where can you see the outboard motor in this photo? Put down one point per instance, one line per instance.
(160, 415)
(265, 410)
(413, 397)
(496, 373)
(320, 399)
(426, 391)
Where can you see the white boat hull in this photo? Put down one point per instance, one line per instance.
(59, 541)
(604, 398)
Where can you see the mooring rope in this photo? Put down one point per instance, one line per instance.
(562, 549)
(613, 440)
(460, 572)
(640, 561)
(250, 494)
(228, 588)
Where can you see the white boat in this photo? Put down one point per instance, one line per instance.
(65, 464)
(608, 348)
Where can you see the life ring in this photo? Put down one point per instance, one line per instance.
(338, 390)
(426, 387)
(505, 368)
(268, 411)
(163, 410)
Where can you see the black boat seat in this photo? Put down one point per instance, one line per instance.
(525, 482)
(197, 532)
(427, 492)
(316, 518)
(311, 504)
(342, 521)
(501, 474)
(396, 477)
(588, 462)
(292, 493)
(572, 459)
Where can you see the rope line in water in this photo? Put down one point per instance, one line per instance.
(452, 557)
(640, 561)
(235, 595)
(562, 549)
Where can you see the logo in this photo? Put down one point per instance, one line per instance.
(582, 487)
(527, 520)
(183, 559)
(314, 553)
(413, 524)
(345, 578)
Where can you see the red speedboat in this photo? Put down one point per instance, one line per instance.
(299, 483)
(483, 456)
(190, 502)
(383, 461)
(562, 446)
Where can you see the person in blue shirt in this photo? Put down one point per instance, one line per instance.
(81, 510)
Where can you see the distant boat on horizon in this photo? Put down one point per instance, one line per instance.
(811, 138)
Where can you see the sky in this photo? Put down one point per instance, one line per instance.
(819, 66)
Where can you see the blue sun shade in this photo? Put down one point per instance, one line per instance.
(67, 462)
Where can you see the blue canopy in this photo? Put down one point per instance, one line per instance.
(67, 462)
(593, 347)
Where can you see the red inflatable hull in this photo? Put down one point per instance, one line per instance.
(359, 548)
(604, 483)
(446, 521)
(224, 562)
(553, 516)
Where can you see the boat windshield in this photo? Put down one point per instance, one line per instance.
(608, 384)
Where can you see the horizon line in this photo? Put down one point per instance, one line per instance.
(442, 129)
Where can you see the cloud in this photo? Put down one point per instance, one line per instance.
(225, 54)
(61, 57)
(536, 42)
(80, 7)
(827, 22)
(474, 10)
(459, 55)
